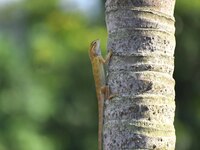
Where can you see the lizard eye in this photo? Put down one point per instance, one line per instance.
(94, 43)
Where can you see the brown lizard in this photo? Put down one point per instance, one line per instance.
(100, 82)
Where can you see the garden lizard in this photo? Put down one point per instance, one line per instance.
(102, 89)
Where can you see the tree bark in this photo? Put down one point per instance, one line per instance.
(141, 37)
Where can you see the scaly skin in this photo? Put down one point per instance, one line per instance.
(100, 82)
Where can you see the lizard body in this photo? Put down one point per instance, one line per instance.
(102, 90)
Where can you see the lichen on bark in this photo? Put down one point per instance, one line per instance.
(141, 37)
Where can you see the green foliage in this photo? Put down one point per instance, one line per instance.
(46, 85)
(187, 73)
(187, 6)
(47, 95)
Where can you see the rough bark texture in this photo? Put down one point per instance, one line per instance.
(141, 36)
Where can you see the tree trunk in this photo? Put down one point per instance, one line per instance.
(141, 36)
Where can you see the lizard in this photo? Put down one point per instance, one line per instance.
(102, 90)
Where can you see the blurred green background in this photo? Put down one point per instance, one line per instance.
(47, 95)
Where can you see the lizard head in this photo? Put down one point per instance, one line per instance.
(95, 49)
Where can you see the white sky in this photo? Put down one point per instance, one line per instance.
(83, 5)
(86, 6)
(8, 1)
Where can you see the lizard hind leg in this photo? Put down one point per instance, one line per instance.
(105, 90)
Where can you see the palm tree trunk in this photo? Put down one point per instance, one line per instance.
(141, 36)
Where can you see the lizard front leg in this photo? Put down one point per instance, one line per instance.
(107, 59)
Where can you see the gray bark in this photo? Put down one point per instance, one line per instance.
(141, 36)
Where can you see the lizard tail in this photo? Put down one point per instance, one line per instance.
(100, 124)
(99, 138)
